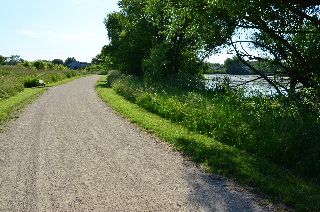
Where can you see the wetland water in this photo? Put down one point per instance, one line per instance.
(239, 81)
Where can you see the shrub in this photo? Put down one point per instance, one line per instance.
(30, 81)
(55, 77)
(39, 64)
(71, 74)
(10, 87)
(276, 128)
(113, 76)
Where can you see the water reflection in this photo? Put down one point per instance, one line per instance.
(251, 84)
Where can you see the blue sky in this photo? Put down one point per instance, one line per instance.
(54, 29)
(57, 29)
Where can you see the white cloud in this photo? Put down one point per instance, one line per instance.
(29, 32)
(58, 35)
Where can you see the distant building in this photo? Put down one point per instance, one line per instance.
(77, 65)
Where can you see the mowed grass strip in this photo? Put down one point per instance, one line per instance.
(274, 182)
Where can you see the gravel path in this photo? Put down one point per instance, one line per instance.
(70, 152)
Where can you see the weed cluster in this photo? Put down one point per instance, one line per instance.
(275, 128)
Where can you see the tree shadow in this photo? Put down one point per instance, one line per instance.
(261, 176)
(103, 84)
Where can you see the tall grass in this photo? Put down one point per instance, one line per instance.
(14, 79)
(275, 128)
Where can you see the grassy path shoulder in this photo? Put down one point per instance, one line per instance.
(10, 108)
(273, 182)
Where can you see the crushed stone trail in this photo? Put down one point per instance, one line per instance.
(69, 151)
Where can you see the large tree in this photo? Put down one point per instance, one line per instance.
(283, 33)
(130, 37)
(169, 37)
(159, 39)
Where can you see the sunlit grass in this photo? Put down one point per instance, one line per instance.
(278, 183)
(14, 79)
(9, 108)
(15, 96)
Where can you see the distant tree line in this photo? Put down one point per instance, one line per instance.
(56, 64)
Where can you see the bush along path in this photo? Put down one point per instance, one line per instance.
(70, 152)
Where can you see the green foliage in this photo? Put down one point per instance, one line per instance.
(57, 61)
(234, 66)
(282, 35)
(273, 128)
(14, 79)
(10, 86)
(39, 64)
(113, 76)
(277, 182)
(55, 77)
(14, 60)
(10, 107)
(27, 64)
(69, 60)
(145, 41)
(156, 67)
(42, 65)
(30, 81)
(2, 60)
(71, 74)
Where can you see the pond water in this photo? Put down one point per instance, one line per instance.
(244, 82)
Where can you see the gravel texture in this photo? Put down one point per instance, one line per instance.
(69, 151)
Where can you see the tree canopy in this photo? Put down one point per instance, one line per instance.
(157, 39)
(68, 61)
(14, 60)
(2, 60)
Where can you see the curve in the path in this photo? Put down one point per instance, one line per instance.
(70, 152)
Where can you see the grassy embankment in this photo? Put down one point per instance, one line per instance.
(264, 143)
(19, 86)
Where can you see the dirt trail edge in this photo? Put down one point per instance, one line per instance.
(70, 152)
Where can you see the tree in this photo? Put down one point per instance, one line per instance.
(14, 60)
(234, 66)
(57, 61)
(130, 37)
(149, 32)
(69, 60)
(40, 64)
(2, 60)
(27, 64)
(283, 33)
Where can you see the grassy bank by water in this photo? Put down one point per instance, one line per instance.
(219, 148)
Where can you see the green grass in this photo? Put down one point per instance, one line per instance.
(275, 182)
(10, 107)
(276, 128)
(14, 79)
